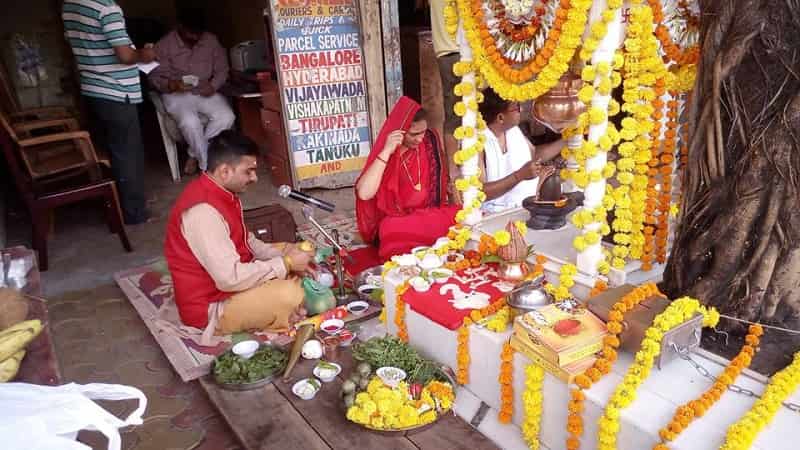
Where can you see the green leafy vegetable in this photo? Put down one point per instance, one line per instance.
(390, 351)
(231, 369)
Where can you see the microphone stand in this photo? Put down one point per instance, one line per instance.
(341, 297)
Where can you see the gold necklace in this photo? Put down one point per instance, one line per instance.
(418, 184)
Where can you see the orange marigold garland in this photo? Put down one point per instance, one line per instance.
(651, 203)
(462, 352)
(538, 62)
(681, 56)
(400, 313)
(687, 412)
(506, 380)
(599, 287)
(667, 161)
(602, 366)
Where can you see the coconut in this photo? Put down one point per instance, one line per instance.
(13, 308)
(517, 249)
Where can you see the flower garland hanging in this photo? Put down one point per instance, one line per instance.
(462, 352)
(687, 412)
(468, 183)
(741, 434)
(643, 68)
(683, 17)
(667, 160)
(451, 18)
(678, 312)
(651, 201)
(602, 366)
(511, 83)
(400, 312)
(532, 403)
(506, 380)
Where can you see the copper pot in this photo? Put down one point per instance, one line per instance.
(560, 107)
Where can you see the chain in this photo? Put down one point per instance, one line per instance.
(685, 355)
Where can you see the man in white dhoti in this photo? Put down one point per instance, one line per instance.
(511, 165)
(193, 67)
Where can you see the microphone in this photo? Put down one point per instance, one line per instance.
(287, 192)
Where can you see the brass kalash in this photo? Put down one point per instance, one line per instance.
(557, 110)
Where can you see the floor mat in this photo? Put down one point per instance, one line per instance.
(147, 288)
(344, 222)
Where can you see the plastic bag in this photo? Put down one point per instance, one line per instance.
(51, 416)
(318, 297)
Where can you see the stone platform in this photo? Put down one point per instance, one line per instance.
(656, 400)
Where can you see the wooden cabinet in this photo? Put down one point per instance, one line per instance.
(277, 151)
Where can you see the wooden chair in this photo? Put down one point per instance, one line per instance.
(42, 196)
(53, 148)
(9, 104)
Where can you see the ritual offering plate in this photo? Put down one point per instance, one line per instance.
(233, 372)
(406, 393)
(369, 284)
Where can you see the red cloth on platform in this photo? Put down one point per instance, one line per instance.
(400, 217)
(437, 308)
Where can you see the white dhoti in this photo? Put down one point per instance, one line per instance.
(189, 110)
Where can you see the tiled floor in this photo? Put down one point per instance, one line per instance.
(100, 338)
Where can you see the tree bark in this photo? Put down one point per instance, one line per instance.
(737, 242)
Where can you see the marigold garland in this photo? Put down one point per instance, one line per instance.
(400, 312)
(689, 411)
(741, 434)
(681, 56)
(667, 161)
(602, 366)
(502, 78)
(678, 312)
(651, 202)
(532, 403)
(462, 351)
(506, 380)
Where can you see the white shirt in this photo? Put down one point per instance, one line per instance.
(500, 165)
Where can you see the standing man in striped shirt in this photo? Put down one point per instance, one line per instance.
(109, 80)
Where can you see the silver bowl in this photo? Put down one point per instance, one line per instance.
(529, 295)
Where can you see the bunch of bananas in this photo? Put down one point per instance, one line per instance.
(13, 341)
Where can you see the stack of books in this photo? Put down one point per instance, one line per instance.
(563, 338)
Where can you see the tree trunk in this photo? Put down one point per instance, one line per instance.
(737, 243)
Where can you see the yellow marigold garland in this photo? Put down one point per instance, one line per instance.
(506, 380)
(678, 312)
(741, 434)
(689, 411)
(532, 403)
(451, 18)
(602, 365)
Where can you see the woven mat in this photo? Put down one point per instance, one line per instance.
(344, 222)
(147, 288)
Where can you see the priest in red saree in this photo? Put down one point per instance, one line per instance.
(401, 195)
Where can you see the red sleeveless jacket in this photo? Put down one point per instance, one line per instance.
(194, 288)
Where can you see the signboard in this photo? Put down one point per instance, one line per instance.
(323, 89)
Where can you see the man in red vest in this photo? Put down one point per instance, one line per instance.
(226, 280)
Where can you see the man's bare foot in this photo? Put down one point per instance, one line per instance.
(190, 168)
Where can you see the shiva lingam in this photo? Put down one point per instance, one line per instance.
(557, 110)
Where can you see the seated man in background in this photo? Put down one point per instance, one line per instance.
(188, 54)
(511, 164)
(225, 279)
(401, 194)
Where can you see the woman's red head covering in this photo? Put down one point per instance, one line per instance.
(370, 212)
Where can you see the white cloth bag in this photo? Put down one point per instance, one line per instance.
(49, 417)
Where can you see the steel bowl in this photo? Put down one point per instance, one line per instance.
(365, 282)
(529, 295)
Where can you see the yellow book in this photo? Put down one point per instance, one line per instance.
(565, 374)
(561, 335)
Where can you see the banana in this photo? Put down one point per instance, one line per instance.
(10, 367)
(12, 341)
(25, 324)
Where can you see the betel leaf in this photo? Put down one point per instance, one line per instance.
(231, 369)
